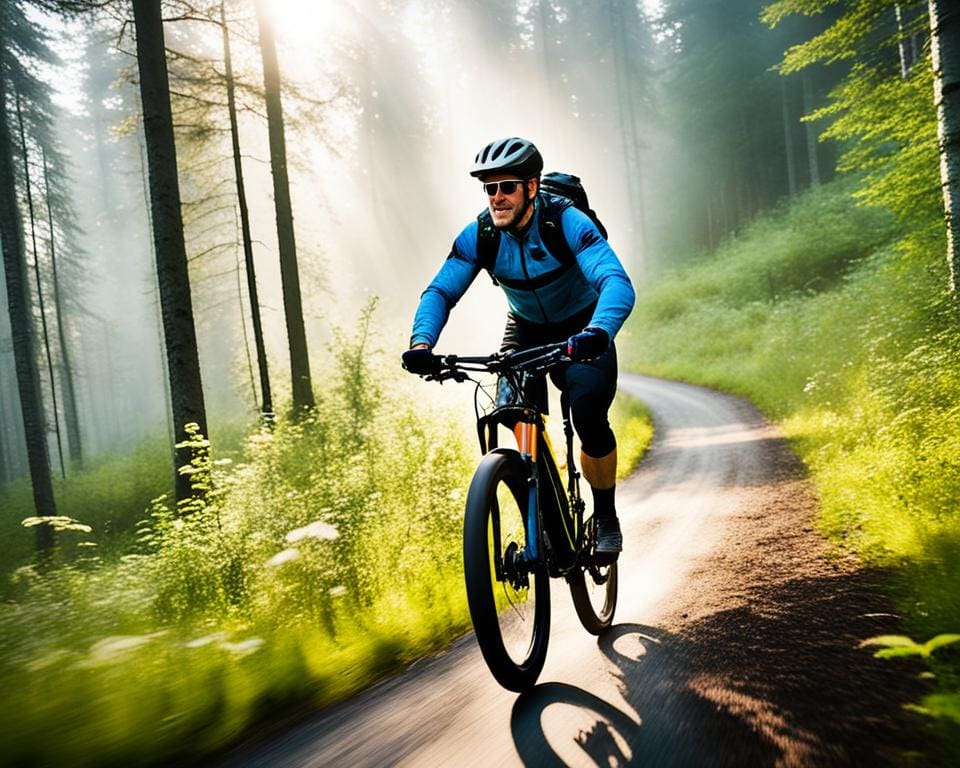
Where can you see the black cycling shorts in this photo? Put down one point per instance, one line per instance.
(589, 387)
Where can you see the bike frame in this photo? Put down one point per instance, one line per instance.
(527, 423)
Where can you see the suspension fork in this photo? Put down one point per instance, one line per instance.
(527, 438)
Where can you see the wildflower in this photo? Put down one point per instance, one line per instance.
(315, 530)
(243, 647)
(288, 555)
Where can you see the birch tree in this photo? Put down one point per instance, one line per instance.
(945, 57)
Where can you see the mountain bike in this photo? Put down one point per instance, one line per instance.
(522, 525)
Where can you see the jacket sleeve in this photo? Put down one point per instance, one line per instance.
(446, 289)
(602, 269)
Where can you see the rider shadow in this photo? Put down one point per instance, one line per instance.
(666, 723)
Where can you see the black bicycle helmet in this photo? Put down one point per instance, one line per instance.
(513, 155)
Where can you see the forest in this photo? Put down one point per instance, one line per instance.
(216, 219)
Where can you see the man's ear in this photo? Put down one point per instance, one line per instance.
(536, 187)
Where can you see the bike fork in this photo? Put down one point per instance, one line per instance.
(526, 434)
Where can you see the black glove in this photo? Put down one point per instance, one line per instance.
(591, 342)
(421, 361)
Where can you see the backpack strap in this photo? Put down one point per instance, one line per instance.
(551, 228)
(488, 243)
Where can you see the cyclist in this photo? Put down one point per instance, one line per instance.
(549, 301)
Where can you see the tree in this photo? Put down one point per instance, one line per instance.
(19, 36)
(286, 240)
(266, 402)
(70, 412)
(36, 269)
(183, 361)
(945, 57)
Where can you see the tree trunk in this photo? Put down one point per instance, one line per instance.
(811, 132)
(36, 273)
(902, 43)
(266, 406)
(788, 138)
(945, 54)
(70, 415)
(289, 274)
(183, 361)
(18, 304)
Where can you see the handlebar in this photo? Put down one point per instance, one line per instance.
(534, 360)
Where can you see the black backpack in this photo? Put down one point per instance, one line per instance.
(559, 191)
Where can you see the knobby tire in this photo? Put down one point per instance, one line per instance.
(498, 494)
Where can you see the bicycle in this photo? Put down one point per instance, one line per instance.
(521, 525)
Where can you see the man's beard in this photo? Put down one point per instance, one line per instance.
(518, 214)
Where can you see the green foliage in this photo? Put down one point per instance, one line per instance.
(884, 121)
(894, 646)
(863, 371)
(109, 497)
(633, 427)
(322, 557)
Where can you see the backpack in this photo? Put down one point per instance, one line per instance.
(562, 190)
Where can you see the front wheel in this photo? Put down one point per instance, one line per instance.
(509, 600)
(594, 590)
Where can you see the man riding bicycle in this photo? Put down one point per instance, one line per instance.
(585, 301)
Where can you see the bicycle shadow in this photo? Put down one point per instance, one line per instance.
(664, 722)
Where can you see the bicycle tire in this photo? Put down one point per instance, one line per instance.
(512, 623)
(594, 591)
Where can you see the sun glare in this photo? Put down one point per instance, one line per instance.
(304, 24)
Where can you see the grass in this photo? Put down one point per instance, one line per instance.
(838, 325)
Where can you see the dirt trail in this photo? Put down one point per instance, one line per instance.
(735, 640)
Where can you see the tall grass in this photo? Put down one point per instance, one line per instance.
(329, 554)
(838, 326)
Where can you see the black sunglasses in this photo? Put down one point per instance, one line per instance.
(508, 187)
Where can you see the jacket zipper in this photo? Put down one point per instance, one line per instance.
(526, 274)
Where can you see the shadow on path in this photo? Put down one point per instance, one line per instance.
(778, 680)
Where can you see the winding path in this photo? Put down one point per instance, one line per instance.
(735, 639)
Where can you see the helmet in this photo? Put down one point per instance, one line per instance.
(504, 155)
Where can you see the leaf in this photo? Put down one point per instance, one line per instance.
(939, 642)
(890, 641)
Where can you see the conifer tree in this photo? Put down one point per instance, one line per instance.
(172, 273)
(20, 40)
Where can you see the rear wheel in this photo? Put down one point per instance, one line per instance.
(594, 590)
(509, 601)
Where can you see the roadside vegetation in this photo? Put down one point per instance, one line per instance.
(327, 554)
(837, 323)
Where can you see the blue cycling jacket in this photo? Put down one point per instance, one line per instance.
(521, 259)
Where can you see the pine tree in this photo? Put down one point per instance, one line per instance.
(172, 271)
(20, 41)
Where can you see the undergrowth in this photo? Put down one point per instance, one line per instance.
(328, 555)
(861, 368)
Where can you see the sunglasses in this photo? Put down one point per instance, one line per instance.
(508, 187)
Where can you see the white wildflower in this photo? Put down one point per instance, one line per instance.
(288, 555)
(315, 530)
(338, 591)
(243, 647)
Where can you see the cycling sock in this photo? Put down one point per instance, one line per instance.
(603, 503)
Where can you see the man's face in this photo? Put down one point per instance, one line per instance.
(510, 211)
